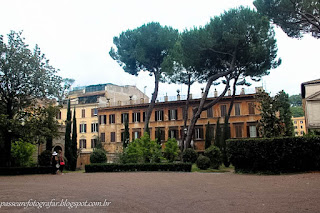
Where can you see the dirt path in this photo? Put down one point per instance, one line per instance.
(166, 192)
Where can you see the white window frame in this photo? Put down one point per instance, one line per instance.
(82, 128)
(94, 127)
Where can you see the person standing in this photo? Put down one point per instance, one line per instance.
(54, 163)
(61, 161)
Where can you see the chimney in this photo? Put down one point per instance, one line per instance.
(202, 91)
(215, 93)
(259, 89)
(229, 92)
(141, 100)
(119, 103)
(242, 91)
(178, 95)
(131, 101)
(166, 98)
(190, 96)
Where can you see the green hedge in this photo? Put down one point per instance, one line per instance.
(25, 170)
(275, 155)
(106, 167)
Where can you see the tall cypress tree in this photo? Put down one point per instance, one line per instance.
(126, 136)
(217, 139)
(209, 136)
(74, 154)
(225, 136)
(67, 144)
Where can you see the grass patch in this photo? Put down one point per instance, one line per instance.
(221, 169)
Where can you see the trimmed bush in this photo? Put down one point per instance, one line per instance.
(171, 150)
(25, 170)
(112, 167)
(98, 156)
(275, 155)
(203, 162)
(190, 155)
(215, 156)
(45, 158)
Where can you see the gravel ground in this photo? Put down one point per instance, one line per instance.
(166, 192)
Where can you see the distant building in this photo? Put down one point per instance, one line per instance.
(167, 119)
(310, 92)
(86, 101)
(299, 125)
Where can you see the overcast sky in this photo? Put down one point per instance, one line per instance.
(77, 35)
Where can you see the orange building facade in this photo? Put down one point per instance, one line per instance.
(167, 120)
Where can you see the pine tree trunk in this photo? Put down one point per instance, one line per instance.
(185, 114)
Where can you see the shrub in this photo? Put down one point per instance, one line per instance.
(171, 150)
(45, 158)
(98, 156)
(142, 150)
(203, 162)
(214, 154)
(106, 167)
(190, 155)
(275, 155)
(22, 152)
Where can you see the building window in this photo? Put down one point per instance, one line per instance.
(83, 128)
(124, 117)
(144, 116)
(83, 113)
(223, 110)
(94, 112)
(136, 117)
(252, 131)
(93, 143)
(296, 127)
(83, 143)
(112, 119)
(173, 133)
(237, 108)
(102, 119)
(238, 129)
(173, 114)
(301, 127)
(94, 127)
(301, 132)
(296, 133)
(210, 113)
(198, 133)
(136, 134)
(301, 122)
(112, 136)
(58, 116)
(295, 122)
(103, 137)
(251, 108)
(159, 115)
(160, 133)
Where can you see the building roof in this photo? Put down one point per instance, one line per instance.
(303, 90)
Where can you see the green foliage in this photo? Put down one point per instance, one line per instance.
(225, 137)
(203, 162)
(22, 152)
(275, 155)
(295, 100)
(209, 136)
(297, 111)
(67, 137)
(275, 115)
(73, 146)
(215, 156)
(189, 156)
(25, 76)
(294, 17)
(283, 106)
(142, 150)
(218, 137)
(171, 150)
(98, 156)
(126, 133)
(45, 158)
(132, 167)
